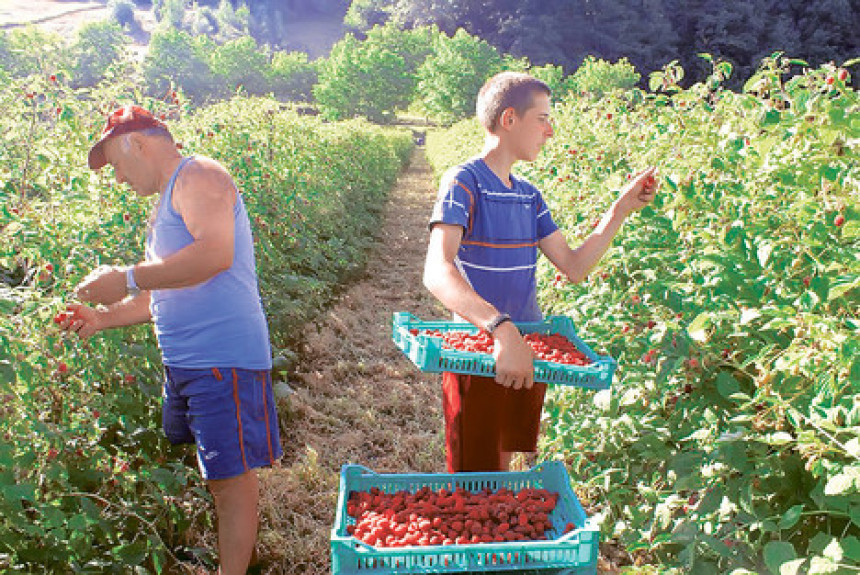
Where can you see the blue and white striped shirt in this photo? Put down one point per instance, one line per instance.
(498, 253)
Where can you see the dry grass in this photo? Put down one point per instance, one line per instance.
(357, 399)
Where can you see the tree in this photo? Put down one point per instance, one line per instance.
(241, 63)
(175, 58)
(291, 77)
(98, 46)
(450, 78)
(361, 79)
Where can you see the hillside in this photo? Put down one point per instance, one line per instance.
(313, 32)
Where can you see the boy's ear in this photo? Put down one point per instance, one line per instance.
(506, 120)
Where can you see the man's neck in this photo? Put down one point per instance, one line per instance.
(169, 163)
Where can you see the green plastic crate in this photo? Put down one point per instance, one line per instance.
(427, 354)
(573, 553)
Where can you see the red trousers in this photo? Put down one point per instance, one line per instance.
(484, 419)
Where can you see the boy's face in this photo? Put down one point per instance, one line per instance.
(530, 131)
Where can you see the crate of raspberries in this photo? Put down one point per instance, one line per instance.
(561, 357)
(519, 521)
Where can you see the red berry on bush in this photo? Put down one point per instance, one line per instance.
(62, 367)
(829, 81)
(842, 74)
(838, 220)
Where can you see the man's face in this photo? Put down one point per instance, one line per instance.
(123, 154)
(533, 128)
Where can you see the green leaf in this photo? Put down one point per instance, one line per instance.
(851, 548)
(777, 438)
(791, 517)
(839, 484)
(778, 552)
(131, 553)
(697, 328)
(820, 565)
(791, 567)
(727, 385)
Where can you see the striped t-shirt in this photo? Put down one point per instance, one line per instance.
(499, 249)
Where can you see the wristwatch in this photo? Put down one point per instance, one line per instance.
(496, 322)
(130, 285)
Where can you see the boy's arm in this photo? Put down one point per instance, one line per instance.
(514, 367)
(577, 263)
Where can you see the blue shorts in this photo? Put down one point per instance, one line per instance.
(229, 413)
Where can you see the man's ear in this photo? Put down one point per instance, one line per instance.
(135, 142)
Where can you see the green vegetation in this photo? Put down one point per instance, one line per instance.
(87, 480)
(729, 441)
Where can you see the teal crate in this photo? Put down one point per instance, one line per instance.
(573, 553)
(427, 354)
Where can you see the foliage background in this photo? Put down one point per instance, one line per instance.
(730, 440)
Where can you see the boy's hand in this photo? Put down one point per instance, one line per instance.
(514, 358)
(640, 191)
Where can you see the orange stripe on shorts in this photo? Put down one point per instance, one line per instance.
(238, 403)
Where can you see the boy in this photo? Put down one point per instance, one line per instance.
(486, 229)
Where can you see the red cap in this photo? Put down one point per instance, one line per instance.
(122, 121)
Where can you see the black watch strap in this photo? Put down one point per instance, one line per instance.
(496, 322)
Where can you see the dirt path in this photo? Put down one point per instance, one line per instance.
(356, 398)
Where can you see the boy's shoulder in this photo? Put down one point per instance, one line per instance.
(464, 173)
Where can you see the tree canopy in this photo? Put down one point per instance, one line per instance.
(649, 33)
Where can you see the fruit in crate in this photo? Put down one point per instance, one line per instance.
(553, 347)
(429, 517)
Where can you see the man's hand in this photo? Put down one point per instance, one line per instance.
(639, 192)
(514, 358)
(104, 285)
(80, 319)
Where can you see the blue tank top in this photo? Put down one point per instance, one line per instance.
(217, 323)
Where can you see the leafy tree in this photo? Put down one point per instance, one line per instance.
(555, 78)
(32, 50)
(176, 59)
(451, 76)
(241, 62)
(361, 79)
(597, 77)
(650, 33)
(170, 12)
(365, 14)
(291, 77)
(122, 12)
(98, 46)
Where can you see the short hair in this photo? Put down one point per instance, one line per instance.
(157, 131)
(507, 90)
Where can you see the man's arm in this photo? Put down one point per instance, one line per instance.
(514, 367)
(87, 321)
(577, 263)
(205, 200)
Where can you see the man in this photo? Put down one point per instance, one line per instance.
(198, 286)
(486, 229)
